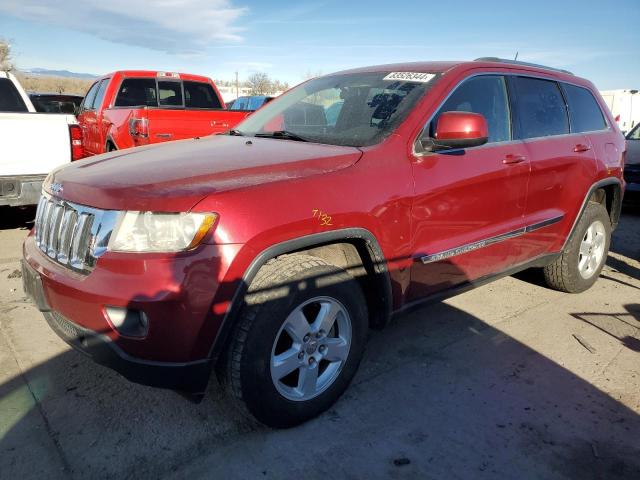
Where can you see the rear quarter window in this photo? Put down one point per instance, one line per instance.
(584, 112)
(200, 95)
(540, 108)
(10, 99)
(137, 92)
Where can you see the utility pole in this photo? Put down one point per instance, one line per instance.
(237, 87)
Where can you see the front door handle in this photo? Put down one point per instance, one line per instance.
(511, 159)
(164, 135)
(581, 147)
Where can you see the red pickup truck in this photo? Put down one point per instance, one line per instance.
(131, 108)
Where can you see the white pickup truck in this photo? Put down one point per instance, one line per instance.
(31, 144)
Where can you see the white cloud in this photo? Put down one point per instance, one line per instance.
(173, 26)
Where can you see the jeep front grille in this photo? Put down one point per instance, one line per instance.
(73, 235)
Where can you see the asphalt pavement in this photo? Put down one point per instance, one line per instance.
(511, 380)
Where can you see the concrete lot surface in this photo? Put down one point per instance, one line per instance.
(511, 380)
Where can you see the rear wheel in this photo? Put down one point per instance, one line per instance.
(583, 258)
(298, 342)
(111, 147)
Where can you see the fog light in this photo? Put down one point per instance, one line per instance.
(128, 322)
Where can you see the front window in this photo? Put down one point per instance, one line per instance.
(357, 109)
(634, 134)
(486, 95)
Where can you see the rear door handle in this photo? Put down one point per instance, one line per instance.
(581, 147)
(164, 135)
(511, 159)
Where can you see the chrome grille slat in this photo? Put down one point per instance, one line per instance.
(44, 239)
(73, 235)
(66, 233)
(39, 219)
(55, 219)
(79, 244)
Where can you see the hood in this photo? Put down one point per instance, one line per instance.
(175, 176)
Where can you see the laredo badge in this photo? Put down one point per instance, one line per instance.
(419, 77)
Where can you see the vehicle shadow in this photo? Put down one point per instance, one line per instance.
(439, 394)
(17, 217)
(624, 326)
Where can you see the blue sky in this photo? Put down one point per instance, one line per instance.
(288, 39)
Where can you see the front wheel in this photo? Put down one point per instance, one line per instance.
(582, 260)
(298, 342)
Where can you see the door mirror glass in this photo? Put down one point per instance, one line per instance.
(456, 130)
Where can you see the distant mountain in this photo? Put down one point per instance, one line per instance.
(44, 72)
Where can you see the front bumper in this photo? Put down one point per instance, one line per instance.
(188, 377)
(20, 190)
(175, 292)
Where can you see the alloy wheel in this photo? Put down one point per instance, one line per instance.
(311, 348)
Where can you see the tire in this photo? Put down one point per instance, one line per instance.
(283, 289)
(111, 147)
(572, 271)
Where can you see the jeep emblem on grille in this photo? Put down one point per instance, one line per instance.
(56, 188)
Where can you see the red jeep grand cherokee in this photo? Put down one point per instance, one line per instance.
(269, 251)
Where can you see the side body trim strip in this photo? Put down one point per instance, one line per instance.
(469, 247)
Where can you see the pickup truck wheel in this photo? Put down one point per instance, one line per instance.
(298, 342)
(584, 256)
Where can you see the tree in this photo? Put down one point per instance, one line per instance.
(309, 74)
(5, 56)
(259, 83)
(277, 86)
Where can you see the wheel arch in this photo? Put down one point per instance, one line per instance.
(370, 270)
(607, 191)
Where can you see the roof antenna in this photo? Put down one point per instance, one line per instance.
(516, 57)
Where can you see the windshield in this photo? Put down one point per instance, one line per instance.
(356, 109)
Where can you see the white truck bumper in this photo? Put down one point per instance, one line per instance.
(20, 190)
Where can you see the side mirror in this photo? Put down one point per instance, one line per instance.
(457, 130)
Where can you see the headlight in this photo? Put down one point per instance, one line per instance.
(160, 232)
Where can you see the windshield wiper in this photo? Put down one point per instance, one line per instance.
(284, 134)
(235, 133)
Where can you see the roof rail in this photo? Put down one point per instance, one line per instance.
(518, 62)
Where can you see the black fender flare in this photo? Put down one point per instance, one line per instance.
(308, 241)
(616, 205)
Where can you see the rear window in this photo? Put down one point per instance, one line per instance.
(10, 99)
(540, 108)
(137, 92)
(200, 95)
(56, 103)
(241, 103)
(170, 94)
(584, 112)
